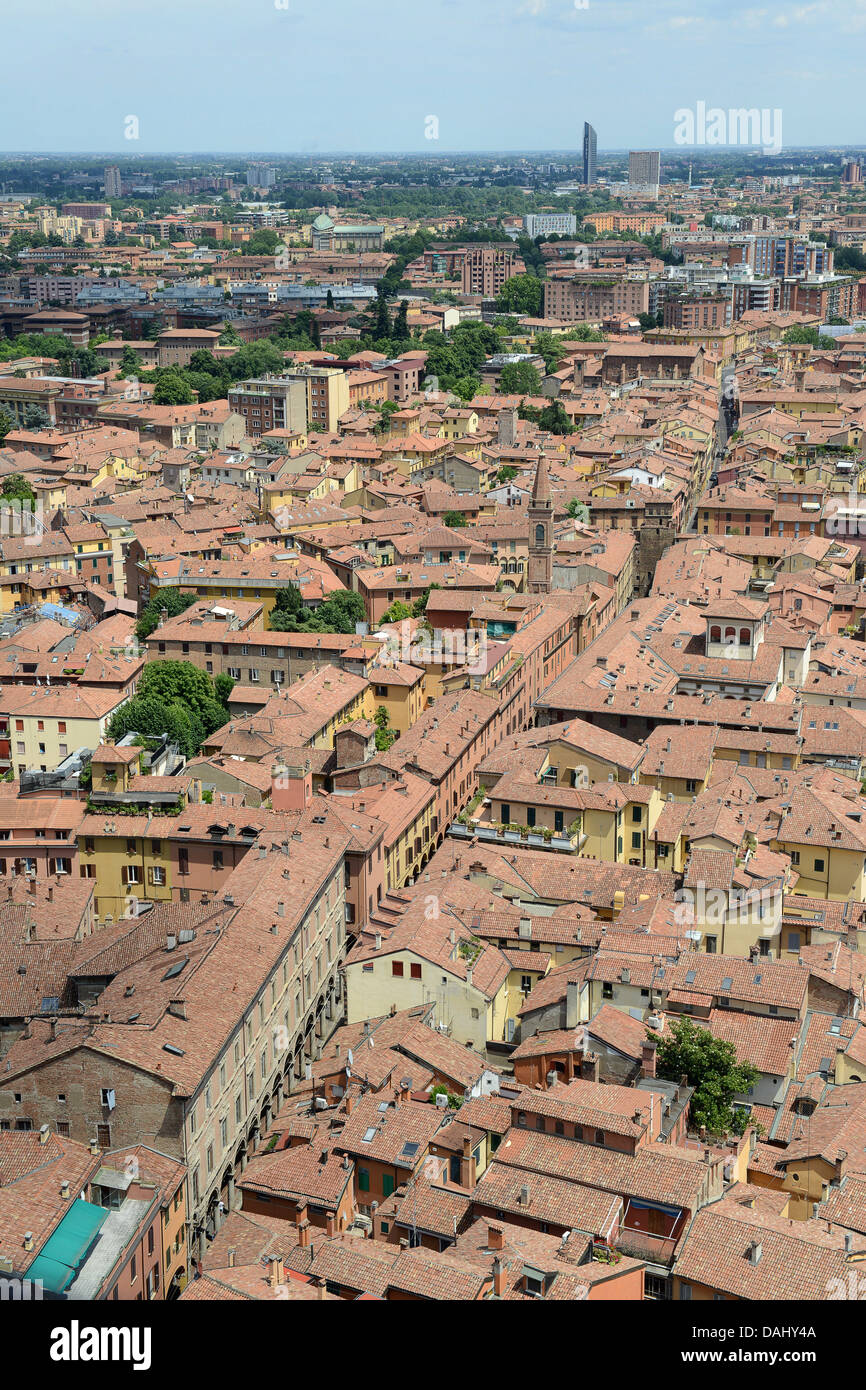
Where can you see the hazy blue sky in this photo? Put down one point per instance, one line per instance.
(241, 75)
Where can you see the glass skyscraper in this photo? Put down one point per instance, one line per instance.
(590, 143)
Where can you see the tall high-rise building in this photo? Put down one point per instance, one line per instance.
(644, 167)
(590, 146)
(261, 176)
(111, 182)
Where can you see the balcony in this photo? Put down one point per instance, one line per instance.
(561, 843)
(642, 1245)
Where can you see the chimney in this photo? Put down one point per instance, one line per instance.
(304, 1233)
(331, 1226)
(500, 1272)
(495, 1238)
(849, 1242)
(755, 1252)
(572, 990)
(28, 1240)
(232, 1258)
(276, 1277)
(44, 1132)
(64, 1189)
(523, 1199)
(648, 1057)
(590, 1067)
(94, 1147)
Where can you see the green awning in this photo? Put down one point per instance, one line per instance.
(53, 1276)
(60, 1257)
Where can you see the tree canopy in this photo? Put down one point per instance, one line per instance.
(711, 1066)
(339, 613)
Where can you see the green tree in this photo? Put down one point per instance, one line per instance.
(419, 607)
(583, 333)
(383, 322)
(172, 389)
(554, 419)
(454, 519)
(401, 322)
(152, 717)
(288, 600)
(550, 349)
(578, 510)
(466, 387)
(397, 612)
(519, 379)
(35, 418)
(17, 489)
(223, 686)
(341, 612)
(180, 682)
(711, 1066)
(801, 334)
(329, 299)
(522, 294)
(130, 362)
(6, 424)
(385, 735)
(506, 473)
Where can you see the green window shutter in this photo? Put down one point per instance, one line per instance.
(387, 1184)
(364, 1179)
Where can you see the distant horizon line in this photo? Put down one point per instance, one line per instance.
(681, 151)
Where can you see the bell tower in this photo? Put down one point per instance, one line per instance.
(540, 573)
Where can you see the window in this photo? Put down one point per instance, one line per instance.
(415, 970)
(396, 967)
(635, 839)
(103, 1136)
(133, 1273)
(819, 866)
(363, 1180)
